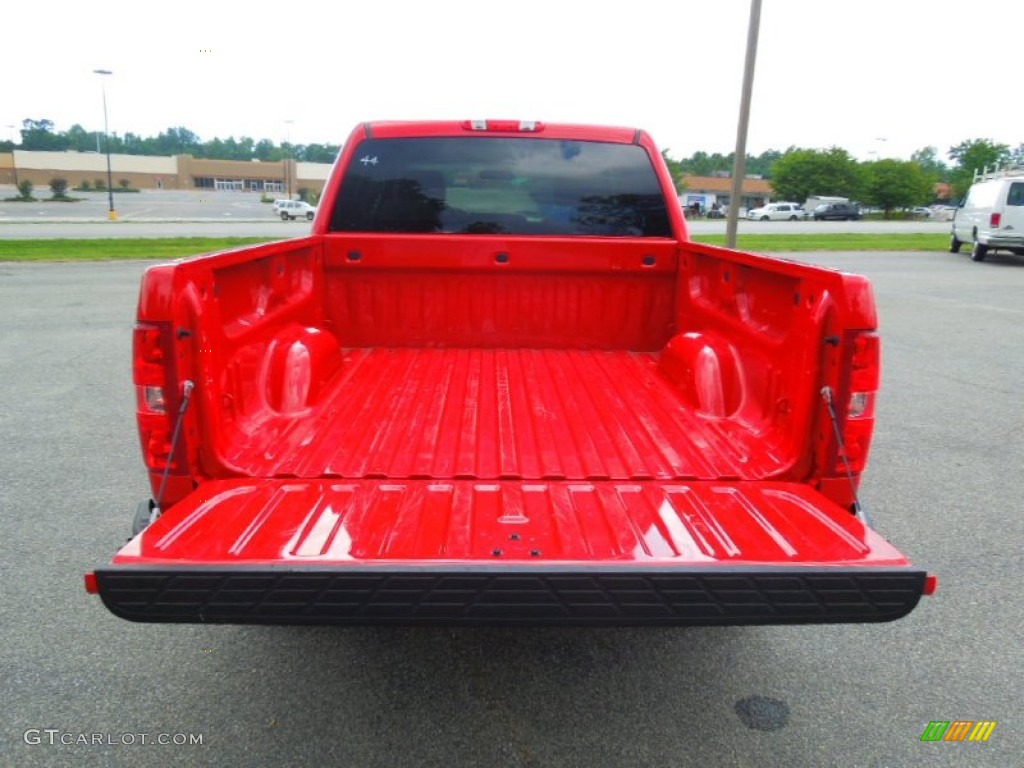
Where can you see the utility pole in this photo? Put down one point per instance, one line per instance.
(287, 158)
(740, 162)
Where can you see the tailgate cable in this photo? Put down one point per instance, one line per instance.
(186, 395)
(858, 508)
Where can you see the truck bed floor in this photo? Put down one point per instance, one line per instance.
(503, 414)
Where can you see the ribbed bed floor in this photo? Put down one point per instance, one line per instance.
(504, 413)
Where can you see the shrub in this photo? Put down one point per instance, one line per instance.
(59, 187)
(85, 186)
(124, 183)
(99, 184)
(25, 189)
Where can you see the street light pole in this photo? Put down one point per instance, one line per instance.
(112, 215)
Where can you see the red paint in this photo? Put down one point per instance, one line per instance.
(245, 522)
(439, 398)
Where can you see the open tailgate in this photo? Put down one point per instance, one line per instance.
(552, 552)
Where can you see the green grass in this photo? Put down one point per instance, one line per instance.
(176, 247)
(857, 241)
(127, 248)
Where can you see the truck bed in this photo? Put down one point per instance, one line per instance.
(525, 414)
(443, 429)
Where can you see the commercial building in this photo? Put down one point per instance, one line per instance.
(706, 191)
(176, 172)
(7, 175)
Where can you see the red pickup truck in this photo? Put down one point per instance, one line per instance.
(498, 383)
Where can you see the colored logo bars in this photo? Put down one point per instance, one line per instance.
(958, 730)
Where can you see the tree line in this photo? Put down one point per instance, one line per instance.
(798, 173)
(795, 174)
(40, 135)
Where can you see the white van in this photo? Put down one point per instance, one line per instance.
(991, 216)
(294, 209)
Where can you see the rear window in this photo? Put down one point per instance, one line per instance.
(1016, 194)
(492, 185)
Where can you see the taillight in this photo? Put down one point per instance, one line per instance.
(994, 220)
(153, 373)
(861, 369)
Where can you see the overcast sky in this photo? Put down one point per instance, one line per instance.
(872, 76)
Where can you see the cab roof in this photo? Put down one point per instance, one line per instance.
(524, 128)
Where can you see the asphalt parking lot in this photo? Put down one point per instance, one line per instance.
(168, 204)
(943, 485)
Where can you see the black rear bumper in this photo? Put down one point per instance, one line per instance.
(479, 594)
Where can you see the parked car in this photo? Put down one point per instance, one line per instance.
(920, 211)
(836, 211)
(776, 212)
(991, 217)
(293, 209)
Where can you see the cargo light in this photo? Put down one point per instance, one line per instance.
(503, 126)
(995, 219)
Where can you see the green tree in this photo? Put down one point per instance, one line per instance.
(322, 153)
(761, 165)
(78, 139)
(933, 167)
(702, 164)
(890, 184)
(245, 148)
(973, 155)
(39, 135)
(675, 169)
(263, 150)
(800, 173)
(177, 141)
